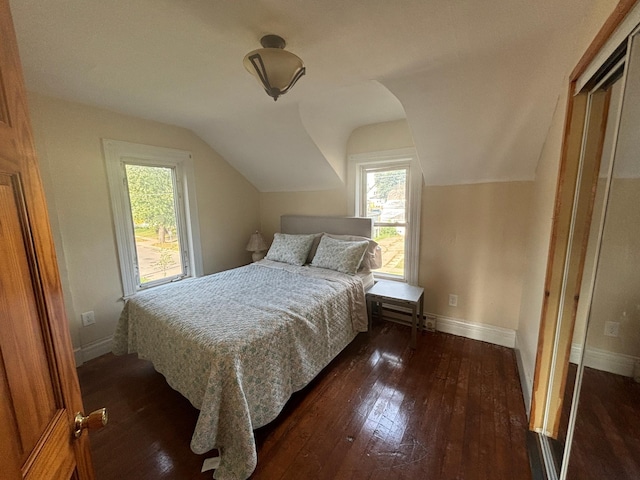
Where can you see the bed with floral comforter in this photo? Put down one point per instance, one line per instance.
(238, 343)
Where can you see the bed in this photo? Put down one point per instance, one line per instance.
(238, 343)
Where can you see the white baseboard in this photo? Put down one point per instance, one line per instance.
(92, 350)
(604, 360)
(476, 331)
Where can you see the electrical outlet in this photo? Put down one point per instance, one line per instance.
(430, 323)
(453, 300)
(88, 318)
(612, 329)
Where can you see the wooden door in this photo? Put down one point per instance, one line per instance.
(39, 391)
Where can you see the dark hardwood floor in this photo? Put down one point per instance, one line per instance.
(452, 409)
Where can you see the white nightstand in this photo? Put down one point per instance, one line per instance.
(400, 294)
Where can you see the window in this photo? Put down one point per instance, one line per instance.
(384, 198)
(387, 188)
(154, 214)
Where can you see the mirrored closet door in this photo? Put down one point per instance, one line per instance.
(592, 418)
(605, 436)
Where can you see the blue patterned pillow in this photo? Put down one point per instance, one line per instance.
(291, 249)
(339, 255)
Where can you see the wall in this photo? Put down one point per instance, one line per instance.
(273, 205)
(68, 142)
(473, 241)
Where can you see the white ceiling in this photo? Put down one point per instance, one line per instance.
(477, 81)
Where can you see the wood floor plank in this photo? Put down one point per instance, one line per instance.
(381, 410)
(501, 417)
(471, 447)
(442, 424)
(396, 459)
(380, 447)
(453, 450)
(487, 425)
(346, 459)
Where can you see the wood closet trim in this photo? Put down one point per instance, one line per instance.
(576, 111)
(613, 21)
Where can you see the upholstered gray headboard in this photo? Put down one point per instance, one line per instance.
(300, 224)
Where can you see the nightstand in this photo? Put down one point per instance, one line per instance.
(399, 294)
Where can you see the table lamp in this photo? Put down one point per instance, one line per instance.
(257, 246)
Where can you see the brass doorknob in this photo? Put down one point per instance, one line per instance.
(93, 421)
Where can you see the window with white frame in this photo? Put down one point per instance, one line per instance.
(387, 187)
(155, 217)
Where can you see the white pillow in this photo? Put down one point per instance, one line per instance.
(340, 255)
(292, 249)
(373, 256)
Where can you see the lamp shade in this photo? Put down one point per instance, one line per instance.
(256, 243)
(276, 69)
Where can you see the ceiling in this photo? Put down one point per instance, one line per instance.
(477, 81)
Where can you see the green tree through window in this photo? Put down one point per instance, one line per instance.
(152, 200)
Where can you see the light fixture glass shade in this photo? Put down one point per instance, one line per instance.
(256, 243)
(276, 69)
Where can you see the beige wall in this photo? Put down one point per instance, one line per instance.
(68, 141)
(273, 205)
(473, 240)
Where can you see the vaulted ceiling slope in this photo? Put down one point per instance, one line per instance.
(477, 81)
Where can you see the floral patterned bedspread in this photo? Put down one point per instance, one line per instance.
(238, 343)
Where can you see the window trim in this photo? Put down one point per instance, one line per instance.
(393, 158)
(116, 153)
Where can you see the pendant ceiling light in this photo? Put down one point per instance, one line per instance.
(275, 68)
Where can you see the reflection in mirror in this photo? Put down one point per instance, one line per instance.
(614, 91)
(605, 441)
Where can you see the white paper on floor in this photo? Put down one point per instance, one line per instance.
(210, 464)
